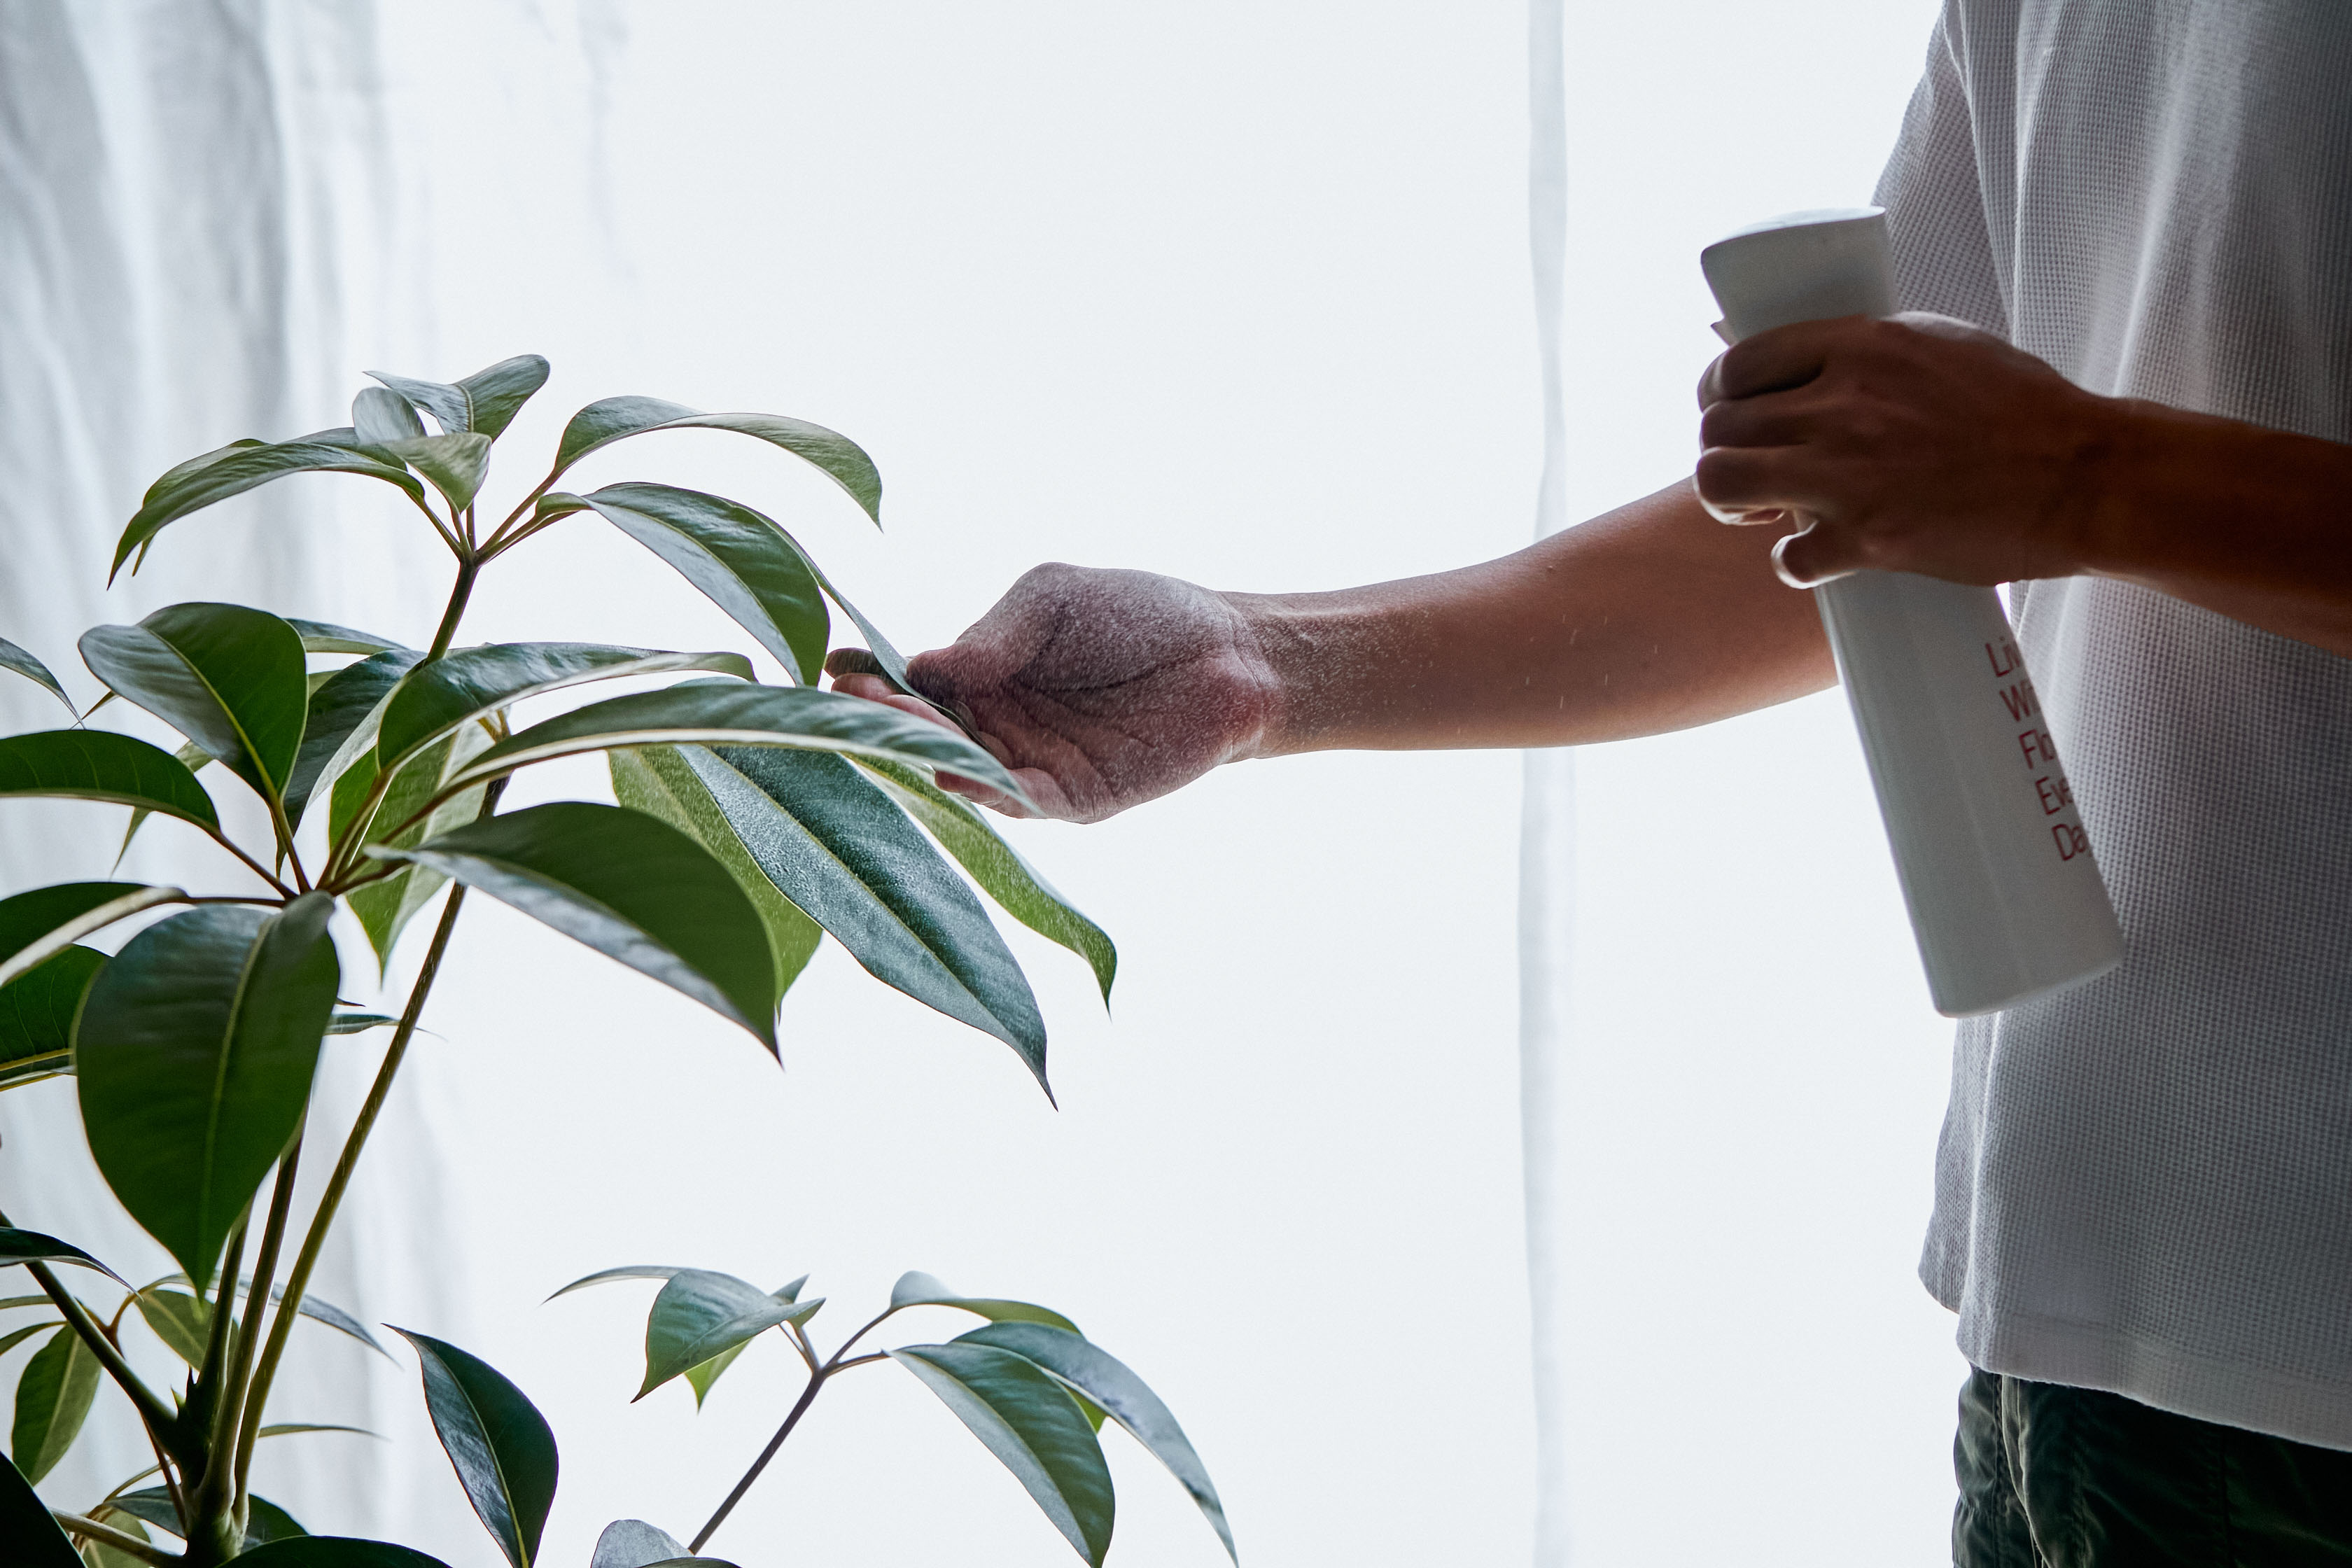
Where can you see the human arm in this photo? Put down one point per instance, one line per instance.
(1102, 690)
(1920, 444)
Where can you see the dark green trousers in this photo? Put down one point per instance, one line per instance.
(2070, 1478)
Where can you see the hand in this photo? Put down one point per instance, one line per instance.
(1914, 444)
(1098, 689)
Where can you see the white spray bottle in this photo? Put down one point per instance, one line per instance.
(2005, 898)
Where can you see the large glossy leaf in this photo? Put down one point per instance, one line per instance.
(657, 781)
(499, 1443)
(240, 467)
(700, 1314)
(33, 669)
(26, 1528)
(477, 681)
(229, 677)
(1028, 1420)
(264, 1521)
(998, 867)
(333, 1552)
(1108, 1383)
(325, 636)
(36, 925)
(485, 400)
(628, 885)
(53, 1396)
(196, 1054)
(725, 713)
(842, 459)
(37, 1016)
(98, 764)
(32, 1246)
(385, 908)
(456, 464)
(746, 564)
(836, 846)
(916, 1289)
(344, 713)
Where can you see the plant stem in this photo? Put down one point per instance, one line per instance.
(123, 1540)
(256, 867)
(807, 1398)
(217, 1496)
(299, 1279)
(152, 1410)
(468, 567)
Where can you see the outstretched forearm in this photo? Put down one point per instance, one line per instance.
(1651, 617)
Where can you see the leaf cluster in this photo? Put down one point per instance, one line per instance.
(753, 818)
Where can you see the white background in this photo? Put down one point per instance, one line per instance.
(1240, 293)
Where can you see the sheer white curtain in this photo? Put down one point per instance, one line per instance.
(1233, 291)
(1734, 1076)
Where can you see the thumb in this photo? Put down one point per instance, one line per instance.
(1815, 554)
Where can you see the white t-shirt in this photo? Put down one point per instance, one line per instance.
(2144, 1184)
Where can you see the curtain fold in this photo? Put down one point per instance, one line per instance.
(1547, 909)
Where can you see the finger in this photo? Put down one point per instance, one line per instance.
(1817, 556)
(843, 661)
(1733, 481)
(1773, 361)
(1767, 419)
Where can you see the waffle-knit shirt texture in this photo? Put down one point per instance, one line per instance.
(2144, 1184)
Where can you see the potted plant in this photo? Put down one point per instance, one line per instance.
(752, 819)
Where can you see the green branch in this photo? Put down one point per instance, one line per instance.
(123, 1540)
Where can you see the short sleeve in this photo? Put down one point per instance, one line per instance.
(1934, 201)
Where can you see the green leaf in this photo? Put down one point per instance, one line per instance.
(240, 467)
(485, 400)
(998, 867)
(725, 713)
(916, 1289)
(344, 714)
(1030, 1421)
(38, 924)
(842, 459)
(628, 885)
(627, 1272)
(385, 908)
(633, 1543)
(196, 1054)
(358, 1023)
(32, 1246)
(295, 1428)
(1105, 1380)
(264, 1521)
(229, 677)
(37, 1016)
(181, 1320)
(499, 1443)
(456, 464)
(333, 1552)
(24, 664)
(325, 636)
(16, 1337)
(701, 1315)
(380, 418)
(748, 566)
(30, 1533)
(53, 1396)
(701, 1377)
(836, 846)
(479, 681)
(98, 764)
(657, 781)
